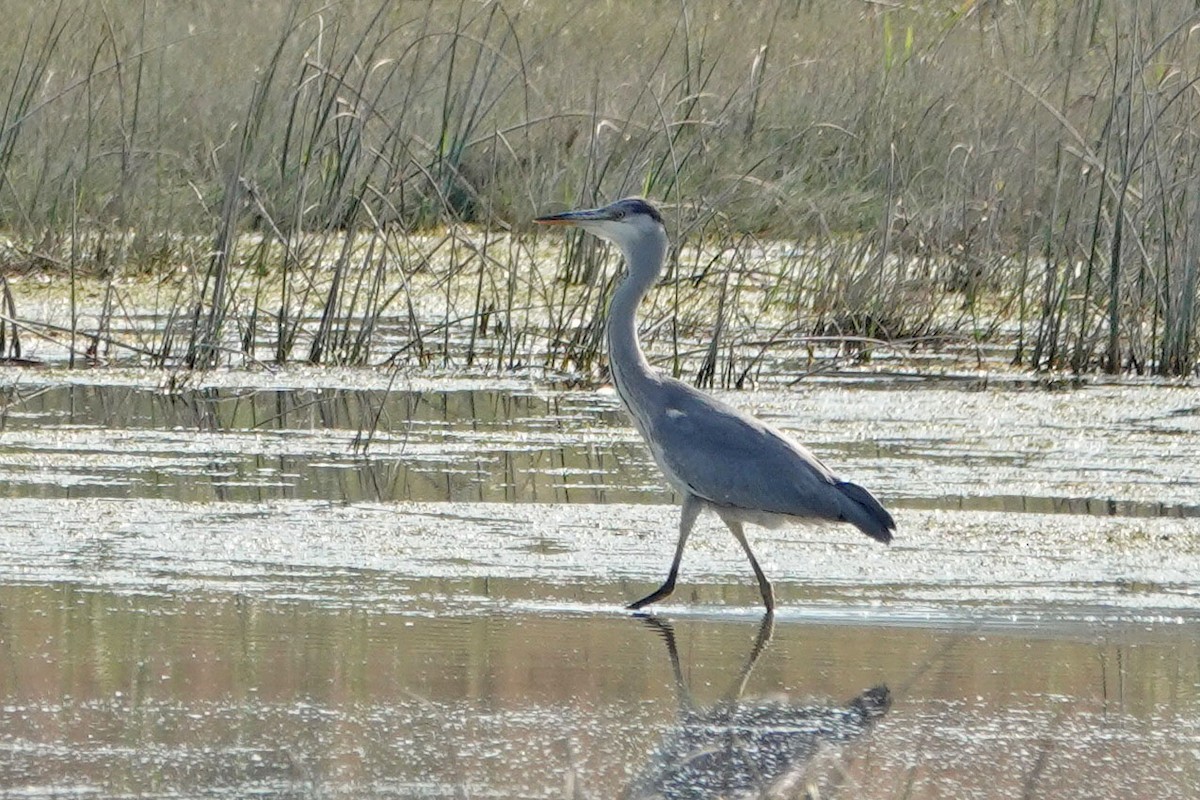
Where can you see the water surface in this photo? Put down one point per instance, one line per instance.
(221, 694)
(221, 591)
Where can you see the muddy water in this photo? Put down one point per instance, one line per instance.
(215, 592)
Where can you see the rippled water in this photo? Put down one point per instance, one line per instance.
(228, 695)
(221, 592)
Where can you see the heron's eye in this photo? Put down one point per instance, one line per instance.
(618, 215)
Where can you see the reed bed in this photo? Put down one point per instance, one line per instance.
(351, 183)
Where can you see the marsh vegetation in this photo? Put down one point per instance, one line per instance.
(205, 188)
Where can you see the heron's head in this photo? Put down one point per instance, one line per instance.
(626, 223)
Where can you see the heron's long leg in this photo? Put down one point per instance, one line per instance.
(764, 585)
(691, 510)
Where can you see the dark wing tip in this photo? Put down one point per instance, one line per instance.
(880, 534)
(872, 518)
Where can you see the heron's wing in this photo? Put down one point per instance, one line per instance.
(731, 459)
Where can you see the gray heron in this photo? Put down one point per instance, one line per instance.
(714, 455)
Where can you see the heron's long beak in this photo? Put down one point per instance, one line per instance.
(575, 217)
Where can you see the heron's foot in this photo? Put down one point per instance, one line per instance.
(653, 597)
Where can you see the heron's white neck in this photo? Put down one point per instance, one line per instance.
(630, 370)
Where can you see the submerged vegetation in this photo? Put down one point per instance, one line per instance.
(297, 180)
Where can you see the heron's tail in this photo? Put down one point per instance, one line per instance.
(860, 508)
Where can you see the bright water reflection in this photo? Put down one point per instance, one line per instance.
(1103, 451)
(202, 445)
(214, 593)
(218, 695)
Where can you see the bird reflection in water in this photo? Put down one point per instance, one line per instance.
(754, 748)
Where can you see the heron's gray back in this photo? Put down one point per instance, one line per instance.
(728, 458)
(733, 461)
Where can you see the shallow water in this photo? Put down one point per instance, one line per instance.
(215, 592)
(220, 694)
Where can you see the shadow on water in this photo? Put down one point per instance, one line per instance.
(746, 747)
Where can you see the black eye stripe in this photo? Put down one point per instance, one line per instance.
(636, 205)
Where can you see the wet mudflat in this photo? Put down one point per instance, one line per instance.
(221, 592)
